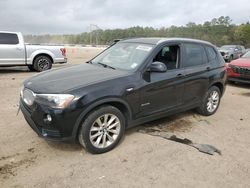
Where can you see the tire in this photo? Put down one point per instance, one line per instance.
(31, 67)
(210, 102)
(104, 137)
(42, 63)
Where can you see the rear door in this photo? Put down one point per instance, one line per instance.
(196, 68)
(12, 52)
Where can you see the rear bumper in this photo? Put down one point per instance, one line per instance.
(61, 60)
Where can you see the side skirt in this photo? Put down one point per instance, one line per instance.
(133, 123)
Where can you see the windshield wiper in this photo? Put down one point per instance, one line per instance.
(105, 65)
(89, 62)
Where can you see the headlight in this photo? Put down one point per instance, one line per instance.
(21, 92)
(28, 96)
(55, 100)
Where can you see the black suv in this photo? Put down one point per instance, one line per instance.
(131, 82)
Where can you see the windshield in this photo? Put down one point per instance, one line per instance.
(227, 47)
(246, 55)
(125, 56)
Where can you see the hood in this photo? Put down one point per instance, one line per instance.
(243, 62)
(69, 78)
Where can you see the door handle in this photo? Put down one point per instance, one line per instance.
(208, 68)
(19, 49)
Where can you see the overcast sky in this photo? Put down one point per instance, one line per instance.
(75, 16)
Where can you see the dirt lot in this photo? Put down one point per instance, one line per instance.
(140, 160)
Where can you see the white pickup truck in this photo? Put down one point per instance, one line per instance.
(14, 52)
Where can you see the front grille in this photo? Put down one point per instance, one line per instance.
(241, 70)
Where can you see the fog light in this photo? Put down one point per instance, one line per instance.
(45, 134)
(47, 119)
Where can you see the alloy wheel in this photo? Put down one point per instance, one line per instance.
(105, 130)
(43, 64)
(213, 101)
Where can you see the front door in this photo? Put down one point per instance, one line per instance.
(164, 90)
(11, 52)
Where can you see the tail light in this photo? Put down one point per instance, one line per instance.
(63, 50)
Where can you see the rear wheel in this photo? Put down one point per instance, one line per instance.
(42, 63)
(210, 102)
(102, 129)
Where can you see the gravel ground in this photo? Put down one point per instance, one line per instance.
(140, 160)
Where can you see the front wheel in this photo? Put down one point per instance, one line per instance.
(102, 129)
(210, 102)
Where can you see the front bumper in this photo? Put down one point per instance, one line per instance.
(238, 74)
(239, 79)
(225, 55)
(56, 131)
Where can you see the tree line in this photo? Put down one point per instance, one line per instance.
(219, 31)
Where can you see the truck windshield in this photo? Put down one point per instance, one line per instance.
(125, 56)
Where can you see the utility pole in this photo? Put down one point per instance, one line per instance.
(93, 27)
(90, 35)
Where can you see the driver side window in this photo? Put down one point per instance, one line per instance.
(169, 55)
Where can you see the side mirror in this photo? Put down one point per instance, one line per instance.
(157, 67)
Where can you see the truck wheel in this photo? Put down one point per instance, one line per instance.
(42, 63)
(210, 102)
(102, 130)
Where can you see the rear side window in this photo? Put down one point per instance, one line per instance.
(8, 38)
(211, 54)
(195, 55)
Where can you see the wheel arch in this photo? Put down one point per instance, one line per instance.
(116, 102)
(43, 54)
(219, 85)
